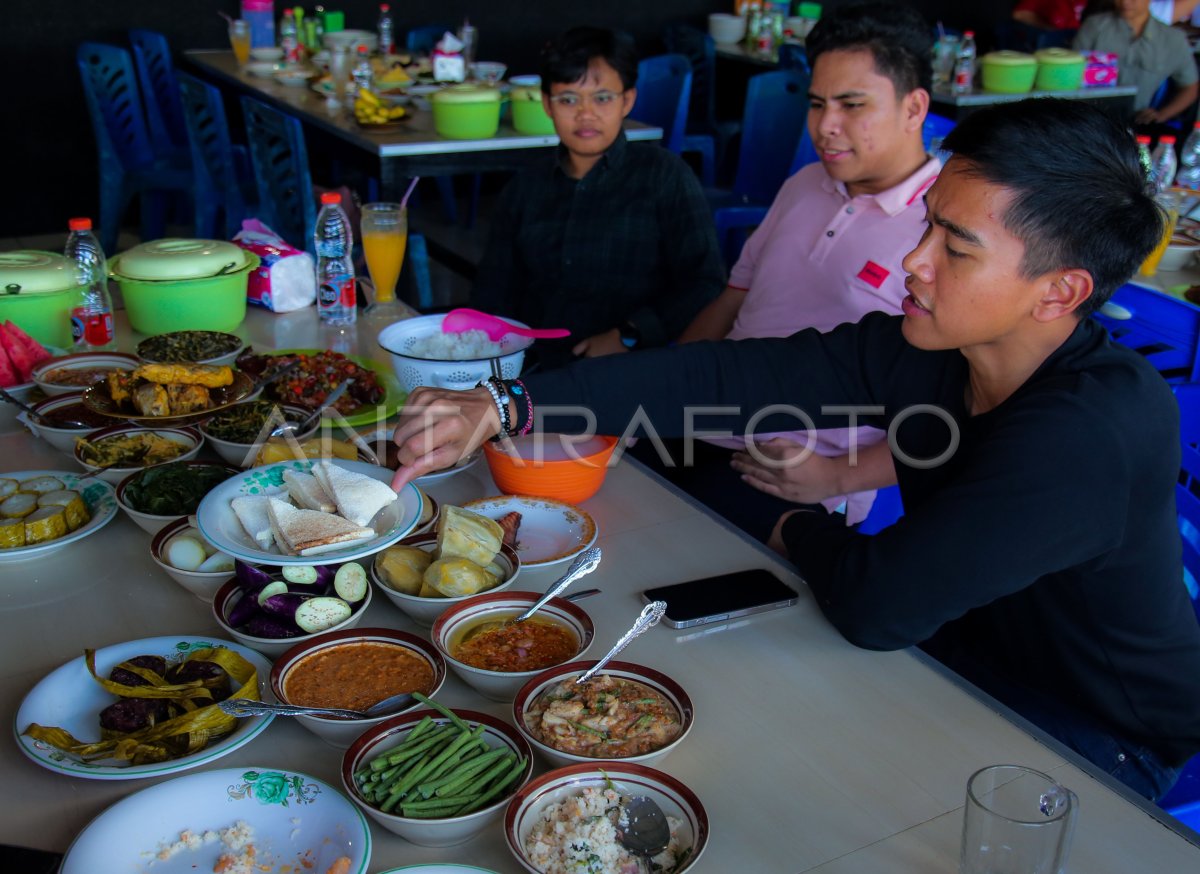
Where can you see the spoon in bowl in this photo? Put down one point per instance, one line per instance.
(299, 428)
(642, 829)
(246, 707)
(648, 618)
(465, 319)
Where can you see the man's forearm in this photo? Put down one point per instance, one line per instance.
(716, 319)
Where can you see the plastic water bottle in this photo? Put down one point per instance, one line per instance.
(1143, 149)
(364, 76)
(964, 65)
(289, 37)
(1163, 163)
(1189, 173)
(387, 32)
(91, 316)
(335, 268)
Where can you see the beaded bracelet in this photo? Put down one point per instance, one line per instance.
(500, 396)
(517, 389)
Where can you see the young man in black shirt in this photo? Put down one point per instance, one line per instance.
(611, 239)
(1039, 554)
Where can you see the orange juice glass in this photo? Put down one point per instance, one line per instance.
(239, 41)
(1168, 202)
(384, 238)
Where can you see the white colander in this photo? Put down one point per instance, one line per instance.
(399, 338)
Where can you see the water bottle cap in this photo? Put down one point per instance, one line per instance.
(330, 197)
(1142, 140)
(969, 34)
(383, 7)
(1168, 139)
(79, 224)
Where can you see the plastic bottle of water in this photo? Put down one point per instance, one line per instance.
(1189, 173)
(91, 316)
(335, 268)
(1163, 163)
(387, 40)
(1143, 149)
(364, 76)
(289, 37)
(964, 66)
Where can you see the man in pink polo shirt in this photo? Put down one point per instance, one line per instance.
(828, 252)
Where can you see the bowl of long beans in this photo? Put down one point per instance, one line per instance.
(435, 776)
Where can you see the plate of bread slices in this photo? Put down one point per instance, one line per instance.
(294, 511)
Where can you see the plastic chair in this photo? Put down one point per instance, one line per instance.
(664, 87)
(421, 40)
(223, 179)
(160, 89)
(1165, 329)
(280, 162)
(792, 56)
(704, 133)
(887, 508)
(128, 164)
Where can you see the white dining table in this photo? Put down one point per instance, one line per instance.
(809, 755)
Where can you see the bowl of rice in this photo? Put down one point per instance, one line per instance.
(422, 354)
(568, 819)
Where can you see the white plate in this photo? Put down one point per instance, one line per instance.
(220, 527)
(299, 822)
(551, 531)
(70, 698)
(447, 472)
(101, 500)
(265, 69)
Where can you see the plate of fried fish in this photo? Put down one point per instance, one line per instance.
(178, 393)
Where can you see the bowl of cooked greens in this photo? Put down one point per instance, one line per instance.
(199, 347)
(237, 433)
(155, 496)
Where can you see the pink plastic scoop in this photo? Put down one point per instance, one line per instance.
(464, 319)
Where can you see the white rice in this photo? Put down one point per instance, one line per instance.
(577, 836)
(455, 347)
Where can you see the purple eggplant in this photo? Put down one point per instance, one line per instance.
(251, 579)
(271, 627)
(284, 604)
(243, 611)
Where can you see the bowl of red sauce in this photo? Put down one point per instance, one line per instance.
(58, 417)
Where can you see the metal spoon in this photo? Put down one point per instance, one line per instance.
(648, 618)
(642, 829)
(330, 400)
(583, 565)
(245, 707)
(24, 406)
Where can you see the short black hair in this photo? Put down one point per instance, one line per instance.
(1080, 196)
(896, 35)
(565, 59)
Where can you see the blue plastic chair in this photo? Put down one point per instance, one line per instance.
(279, 159)
(887, 508)
(224, 184)
(421, 40)
(160, 90)
(1164, 329)
(704, 133)
(127, 162)
(792, 56)
(664, 88)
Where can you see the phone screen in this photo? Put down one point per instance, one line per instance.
(715, 599)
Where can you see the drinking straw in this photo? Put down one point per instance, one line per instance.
(411, 186)
(941, 31)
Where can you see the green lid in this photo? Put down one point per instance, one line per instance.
(1058, 56)
(175, 259)
(467, 94)
(25, 271)
(808, 10)
(527, 92)
(1008, 59)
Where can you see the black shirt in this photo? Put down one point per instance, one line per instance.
(632, 241)
(1046, 547)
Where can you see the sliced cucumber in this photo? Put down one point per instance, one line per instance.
(278, 587)
(300, 574)
(317, 614)
(350, 582)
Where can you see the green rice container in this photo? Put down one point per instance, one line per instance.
(1008, 72)
(37, 291)
(466, 112)
(1059, 70)
(528, 113)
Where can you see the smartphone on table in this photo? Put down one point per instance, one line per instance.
(715, 599)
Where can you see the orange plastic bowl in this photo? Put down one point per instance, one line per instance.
(550, 465)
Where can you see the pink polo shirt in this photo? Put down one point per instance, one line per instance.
(821, 258)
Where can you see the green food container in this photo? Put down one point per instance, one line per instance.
(528, 113)
(184, 285)
(1059, 70)
(1008, 72)
(37, 292)
(466, 112)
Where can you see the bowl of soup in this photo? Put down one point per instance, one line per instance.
(353, 669)
(496, 657)
(627, 711)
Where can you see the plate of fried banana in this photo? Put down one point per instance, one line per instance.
(176, 392)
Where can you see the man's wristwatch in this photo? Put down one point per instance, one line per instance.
(630, 335)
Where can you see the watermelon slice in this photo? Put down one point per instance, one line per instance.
(8, 373)
(24, 352)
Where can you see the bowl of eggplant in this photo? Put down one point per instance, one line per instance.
(273, 609)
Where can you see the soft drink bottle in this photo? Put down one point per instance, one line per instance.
(1163, 163)
(387, 31)
(91, 316)
(289, 37)
(964, 66)
(335, 268)
(1189, 174)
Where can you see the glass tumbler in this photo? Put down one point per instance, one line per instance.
(1017, 821)
(384, 238)
(239, 40)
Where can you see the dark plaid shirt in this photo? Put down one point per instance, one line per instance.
(631, 241)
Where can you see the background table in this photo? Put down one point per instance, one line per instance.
(1117, 100)
(809, 754)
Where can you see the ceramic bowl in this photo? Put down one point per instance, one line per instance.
(190, 438)
(433, 832)
(230, 593)
(97, 363)
(457, 619)
(70, 404)
(342, 732)
(550, 465)
(267, 53)
(676, 800)
(660, 682)
(294, 78)
(154, 522)
(202, 584)
(424, 611)
(149, 349)
(488, 71)
(1179, 254)
(725, 28)
(244, 454)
